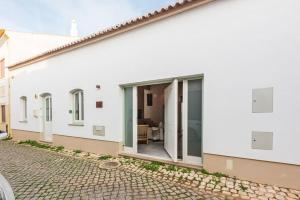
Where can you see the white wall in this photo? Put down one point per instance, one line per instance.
(237, 45)
(17, 46)
(3, 81)
(22, 45)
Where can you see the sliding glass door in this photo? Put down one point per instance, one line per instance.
(128, 137)
(192, 120)
(130, 120)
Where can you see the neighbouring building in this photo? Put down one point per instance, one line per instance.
(14, 47)
(211, 83)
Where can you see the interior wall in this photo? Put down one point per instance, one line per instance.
(140, 102)
(148, 109)
(156, 111)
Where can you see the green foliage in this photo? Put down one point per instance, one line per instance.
(77, 151)
(36, 144)
(158, 163)
(186, 170)
(59, 148)
(216, 180)
(204, 171)
(153, 166)
(127, 161)
(130, 161)
(105, 157)
(243, 188)
(42, 146)
(216, 174)
(172, 168)
(219, 175)
(6, 139)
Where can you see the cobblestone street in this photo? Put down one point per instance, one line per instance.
(39, 174)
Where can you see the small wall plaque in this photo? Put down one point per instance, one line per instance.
(99, 130)
(36, 113)
(99, 104)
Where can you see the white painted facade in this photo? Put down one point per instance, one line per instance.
(236, 45)
(16, 46)
(21, 45)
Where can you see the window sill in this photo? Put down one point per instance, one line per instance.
(76, 124)
(23, 121)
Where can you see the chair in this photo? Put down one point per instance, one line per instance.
(143, 133)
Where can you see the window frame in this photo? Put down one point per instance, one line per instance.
(2, 68)
(48, 111)
(80, 95)
(24, 108)
(3, 114)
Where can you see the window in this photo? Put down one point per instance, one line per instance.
(3, 116)
(23, 101)
(2, 68)
(78, 106)
(48, 108)
(149, 99)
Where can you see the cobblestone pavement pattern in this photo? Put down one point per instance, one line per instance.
(39, 174)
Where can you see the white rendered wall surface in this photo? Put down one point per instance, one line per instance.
(17, 46)
(237, 46)
(21, 45)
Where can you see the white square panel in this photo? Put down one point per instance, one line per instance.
(262, 140)
(99, 130)
(262, 100)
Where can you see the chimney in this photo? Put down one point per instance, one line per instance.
(74, 30)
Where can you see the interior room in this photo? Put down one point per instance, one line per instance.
(151, 119)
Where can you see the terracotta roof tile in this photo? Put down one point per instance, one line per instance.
(163, 12)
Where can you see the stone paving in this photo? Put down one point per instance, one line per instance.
(40, 174)
(214, 183)
(201, 180)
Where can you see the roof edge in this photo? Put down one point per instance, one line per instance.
(115, 30)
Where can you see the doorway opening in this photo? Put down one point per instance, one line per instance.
(153, 112)
(47, 117)
(164, 120)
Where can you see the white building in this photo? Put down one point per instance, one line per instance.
(216, 85)
(14, 47)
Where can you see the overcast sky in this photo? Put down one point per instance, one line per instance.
(54, 16)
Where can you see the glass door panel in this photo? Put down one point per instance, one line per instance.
(128, 104)
(194, 147)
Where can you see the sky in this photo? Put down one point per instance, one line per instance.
(54, 16)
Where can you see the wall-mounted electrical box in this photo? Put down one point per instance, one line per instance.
(262, 140)
(99, 130)
(262, 100)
